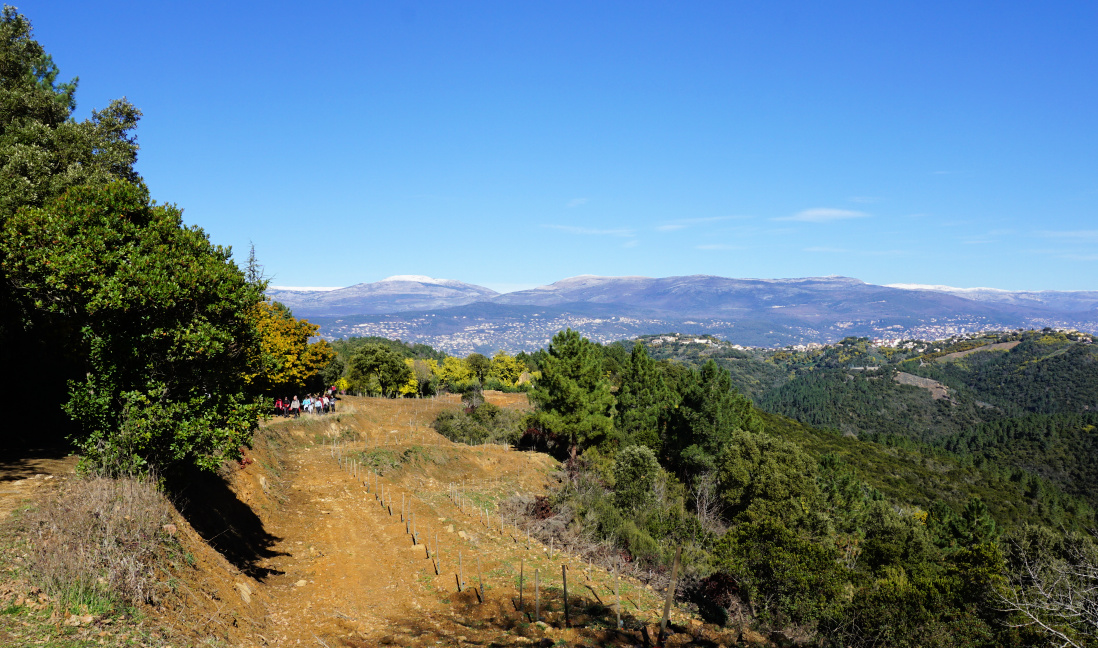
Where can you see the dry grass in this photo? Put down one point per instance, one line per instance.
(95, 545)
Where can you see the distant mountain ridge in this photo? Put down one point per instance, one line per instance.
(391, 295)
(463, 317)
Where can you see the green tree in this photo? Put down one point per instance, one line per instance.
(644, 401)
(710, 412)
(42, 151)
(479, 364)
(155, 318)
(764, 477)
(785, 577)
(377, 363)
(572, 396)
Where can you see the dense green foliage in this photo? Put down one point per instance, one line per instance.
(42, 151)
(573, 397)
(158, 315)
(872, 537)
(1046, 373)
(1058, 447)
(376, 368)
(645, 402)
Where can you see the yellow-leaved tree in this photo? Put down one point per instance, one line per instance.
(507, 369)
(455, 371)
(286, 358)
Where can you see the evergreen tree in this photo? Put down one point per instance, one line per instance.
(644, 401)
(710, 412)
(572, 396)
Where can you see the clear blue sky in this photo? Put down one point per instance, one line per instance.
(511, 144)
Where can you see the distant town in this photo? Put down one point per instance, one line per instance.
(461, 335)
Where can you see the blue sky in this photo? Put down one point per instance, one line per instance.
(511, 144)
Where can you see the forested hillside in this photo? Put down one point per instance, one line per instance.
(860, 539)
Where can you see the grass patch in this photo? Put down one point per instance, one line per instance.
(94, 547)
(384, 460)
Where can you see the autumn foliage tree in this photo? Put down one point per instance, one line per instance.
(284, 355)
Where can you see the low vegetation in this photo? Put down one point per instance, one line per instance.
(96, 547)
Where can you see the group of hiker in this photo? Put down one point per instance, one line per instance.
(311, 404)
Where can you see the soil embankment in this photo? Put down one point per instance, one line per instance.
(317, 559)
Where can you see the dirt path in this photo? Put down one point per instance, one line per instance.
(351, 575)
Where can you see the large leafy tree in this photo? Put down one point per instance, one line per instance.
(374, 364)
(154, 316)
(572, 395)
(112, 311)
(44, 152)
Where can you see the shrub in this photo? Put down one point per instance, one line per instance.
(635, 475)
(485, 423)
(96, 544)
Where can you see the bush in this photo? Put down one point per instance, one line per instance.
(635, 475)
(96, 544)
(786, 577)
(485, 423)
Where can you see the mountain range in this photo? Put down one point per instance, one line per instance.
(461, 317)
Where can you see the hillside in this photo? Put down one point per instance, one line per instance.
(300, 551)
(1011, 398)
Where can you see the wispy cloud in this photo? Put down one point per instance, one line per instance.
(827, 250)
(683, 223)
(631, 243)
(823, 215)
(862, 253)
(576, 202)
(1077, 235)
(719, 246)
(590, 231)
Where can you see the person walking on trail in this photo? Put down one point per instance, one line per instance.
(295, 407)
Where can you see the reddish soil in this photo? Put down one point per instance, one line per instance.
(339, 568)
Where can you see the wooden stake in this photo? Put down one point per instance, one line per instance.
(617, 592)
(564, 579)
(537, 597)
(522, 566)
(461, 582)
(480, 581)
(670, 595)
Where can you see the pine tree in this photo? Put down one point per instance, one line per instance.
(644, 401)
(572, 395)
